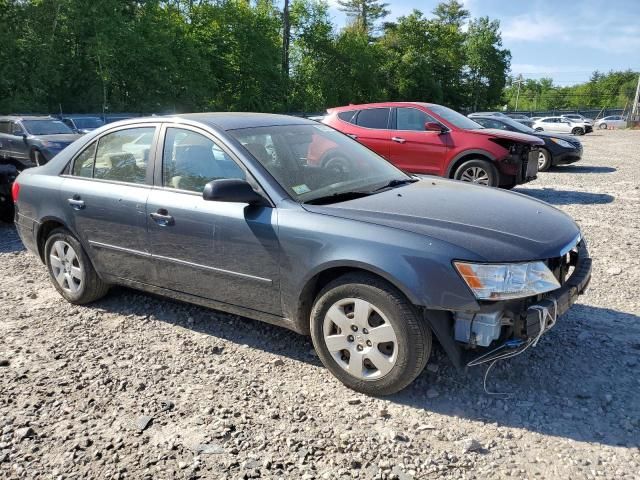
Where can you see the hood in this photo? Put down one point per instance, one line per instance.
(496, 225)
(567, 138)
(61, 138)
(515, 136)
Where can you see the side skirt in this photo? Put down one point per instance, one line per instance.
(206, 302)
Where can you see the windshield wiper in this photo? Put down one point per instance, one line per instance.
(337, 197)
(396, 182)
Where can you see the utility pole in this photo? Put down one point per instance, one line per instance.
(519, 82)
(635, 110)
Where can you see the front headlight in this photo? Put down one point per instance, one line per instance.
(505, 281)
(562, 143)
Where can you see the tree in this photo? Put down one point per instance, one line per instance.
(365, 13)
(487, 63)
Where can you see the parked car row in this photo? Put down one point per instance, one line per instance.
(288, 221)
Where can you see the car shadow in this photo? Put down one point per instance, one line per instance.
(9, 239)
(583, 169)
(566, 197)
(560, 388)
(578, 383)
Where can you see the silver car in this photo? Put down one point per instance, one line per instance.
(612, 121)
(561, 125)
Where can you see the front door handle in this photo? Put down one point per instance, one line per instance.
(76, 203)
(398, 139)
(352, 135)
(162, 218)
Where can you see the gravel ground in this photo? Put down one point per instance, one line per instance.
(136, 386)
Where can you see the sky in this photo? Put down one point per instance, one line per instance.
(563, 39)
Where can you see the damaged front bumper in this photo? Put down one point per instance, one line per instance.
(467, 336)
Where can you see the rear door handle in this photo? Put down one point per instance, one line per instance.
(162, 218)
(76, 203)
(398, 139)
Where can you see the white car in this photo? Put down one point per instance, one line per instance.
(616, 121)
(561, 125)
(576, 117)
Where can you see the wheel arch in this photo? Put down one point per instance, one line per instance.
(468, 155)
(323, 275)
(45, 227)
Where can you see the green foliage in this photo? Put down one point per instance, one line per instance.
(364, 13)
(613, 89)
(186, 55)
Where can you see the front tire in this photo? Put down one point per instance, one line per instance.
(544, 160)
(70, 269)
(577, 131)
(602, 126)
(37, 158)
(480, 172)
(368, 334)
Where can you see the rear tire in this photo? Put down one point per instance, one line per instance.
(70, 269)
(577, 131)
(480, 172)
(382, 344)
(544, 160)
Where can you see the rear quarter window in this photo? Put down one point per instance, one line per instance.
(347, 116)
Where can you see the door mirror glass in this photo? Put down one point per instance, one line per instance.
(433, 127)
(232, 190)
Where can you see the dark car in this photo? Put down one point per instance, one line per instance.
(28, 141)
(427, 138)
(8, 174)
(521, 118)
(223, 210)
(82, 123)
(557, 150)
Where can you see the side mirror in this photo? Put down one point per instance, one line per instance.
(434, 127)
(24, 137)
(232, 190)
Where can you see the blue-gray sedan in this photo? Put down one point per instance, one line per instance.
(248, 213)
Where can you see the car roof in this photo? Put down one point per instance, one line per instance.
(362, 106)
(15, 118)
(228, 120)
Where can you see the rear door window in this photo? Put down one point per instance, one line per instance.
(83, 164)
(377, 118)
(123, 155)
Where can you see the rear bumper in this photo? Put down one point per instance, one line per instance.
(26, 228)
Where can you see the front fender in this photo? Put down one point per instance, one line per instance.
(418, 266)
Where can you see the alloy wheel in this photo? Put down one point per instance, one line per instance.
(66, 267)
(542, 158)
(360, 339)
(475, 175)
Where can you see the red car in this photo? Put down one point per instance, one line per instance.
(431, 139)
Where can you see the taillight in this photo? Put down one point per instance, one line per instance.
(15, 191)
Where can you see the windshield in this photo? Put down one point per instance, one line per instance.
(517, 125)
(454, 117)
(88, 122)
(315, 163)
(45, 127)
